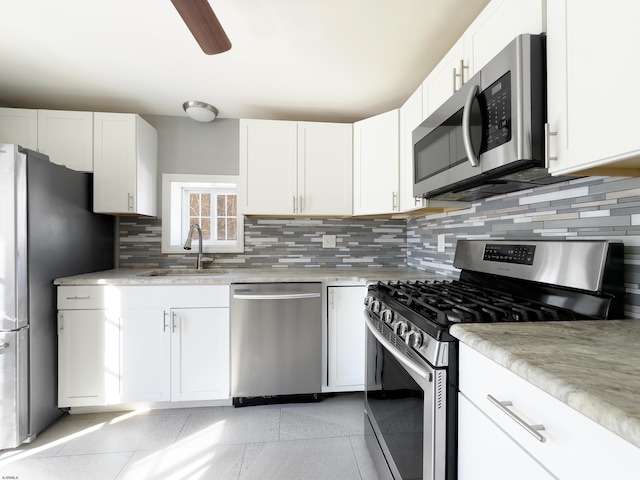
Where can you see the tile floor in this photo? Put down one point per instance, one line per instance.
(322, 440)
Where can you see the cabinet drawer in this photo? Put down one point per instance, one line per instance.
(81, 297)
(165, 296)
(574, 446)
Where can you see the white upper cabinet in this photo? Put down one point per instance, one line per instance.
(444, 79)
(67, 138)
(296, 168)
(375, 164)
(410, 118)
(125, 165)
(325, 168)
(268, 165)
(499, 23)
(19, 126)
(592, 77)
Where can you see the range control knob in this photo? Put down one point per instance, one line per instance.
(375, 306)
(401, 328)
(387, 316)
(367, 300)
(414, 339)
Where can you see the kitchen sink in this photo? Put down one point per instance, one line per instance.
(183, 272)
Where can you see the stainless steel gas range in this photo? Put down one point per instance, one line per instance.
(411, 359)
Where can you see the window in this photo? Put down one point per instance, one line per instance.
(210, 201)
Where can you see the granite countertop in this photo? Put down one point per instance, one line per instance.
(225, 276)
(592, 366)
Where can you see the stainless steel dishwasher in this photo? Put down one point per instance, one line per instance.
(276, 341)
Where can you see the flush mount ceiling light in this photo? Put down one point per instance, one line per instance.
(200, 111)
(204, 25)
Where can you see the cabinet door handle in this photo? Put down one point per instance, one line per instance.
(165, 325)
(463, 67)
(86, 297)
(531, 429)
(394, 201)
(4, 345)
(295, 204)
(173, 322)
(130, 202)
(547, 148)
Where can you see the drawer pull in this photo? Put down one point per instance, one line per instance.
(532, 429)
(87, 297)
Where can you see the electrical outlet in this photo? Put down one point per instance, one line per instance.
(441, 242)
(328, 241)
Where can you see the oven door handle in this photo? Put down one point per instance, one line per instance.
(415, 368)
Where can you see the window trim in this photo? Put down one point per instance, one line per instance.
(172, 184)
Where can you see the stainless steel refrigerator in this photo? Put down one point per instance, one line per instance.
(47, 230)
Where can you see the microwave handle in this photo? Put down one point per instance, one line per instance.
(466, 126)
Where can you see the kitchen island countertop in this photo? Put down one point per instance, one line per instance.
(226, 276)
(592, 366)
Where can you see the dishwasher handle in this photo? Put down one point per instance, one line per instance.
(274, 296)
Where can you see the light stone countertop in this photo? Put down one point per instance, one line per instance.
(226, 276)
(592, 366)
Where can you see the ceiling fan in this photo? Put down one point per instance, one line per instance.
(204, 25)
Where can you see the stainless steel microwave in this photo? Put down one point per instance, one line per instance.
(488, 138)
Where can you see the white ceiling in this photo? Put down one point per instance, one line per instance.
(322, 60)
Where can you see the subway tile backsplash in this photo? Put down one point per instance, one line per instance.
(592, 207)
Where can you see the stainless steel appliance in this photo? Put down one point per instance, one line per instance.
(488, 138)
(47, 230)
(411, 359)
(276, 341)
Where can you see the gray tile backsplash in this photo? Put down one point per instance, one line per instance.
(593, 207)
(279, 244)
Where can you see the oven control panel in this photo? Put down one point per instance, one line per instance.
(521, 254)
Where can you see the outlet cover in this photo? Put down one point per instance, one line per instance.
(328, 241)
(441, 242)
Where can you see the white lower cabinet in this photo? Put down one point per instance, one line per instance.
(199, 353)
(88, 354)
(346, 338)
(502, 459)
(142, 344)
(493, 445)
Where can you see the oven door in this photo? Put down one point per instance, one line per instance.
(405, 409)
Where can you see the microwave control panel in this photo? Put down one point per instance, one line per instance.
(497, 99)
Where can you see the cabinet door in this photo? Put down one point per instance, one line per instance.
(410, 118)
(199, 354)
(497, 25)
(592, 84)
(114, 163)
(485, 452)
(325, 168)
(145, 342)
(88, 356)
(125, 164)
(67, 138)
(346, 337)
(19, 126)
(268, 165)
(444, 79)
(376, 156)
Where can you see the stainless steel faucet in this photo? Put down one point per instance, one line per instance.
(187, 245)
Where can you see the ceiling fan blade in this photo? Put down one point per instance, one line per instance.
(204, 25)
